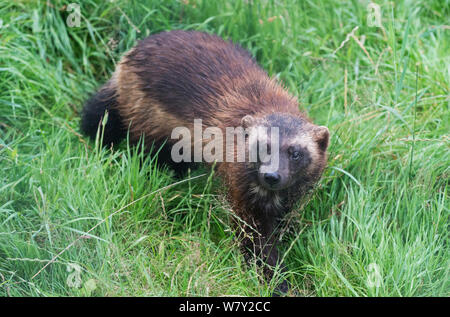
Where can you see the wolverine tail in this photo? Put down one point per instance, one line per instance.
(101, 103)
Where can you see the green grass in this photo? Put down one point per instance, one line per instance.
(131, 229)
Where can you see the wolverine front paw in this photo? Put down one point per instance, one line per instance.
(282, 289)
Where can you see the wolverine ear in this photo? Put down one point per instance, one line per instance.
(321, 135)
(247, 121)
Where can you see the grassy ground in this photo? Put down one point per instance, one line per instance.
(114, 225)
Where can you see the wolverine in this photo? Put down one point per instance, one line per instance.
(172, 78)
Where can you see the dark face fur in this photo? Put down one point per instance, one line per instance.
(301, 151)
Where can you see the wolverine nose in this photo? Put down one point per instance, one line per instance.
(272, 178)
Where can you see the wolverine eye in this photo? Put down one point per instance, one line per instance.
(296, 155)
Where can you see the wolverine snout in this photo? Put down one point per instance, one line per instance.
(272, 178)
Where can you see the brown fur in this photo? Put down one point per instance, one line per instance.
(171, 78)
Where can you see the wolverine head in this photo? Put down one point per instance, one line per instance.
(286, 150)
